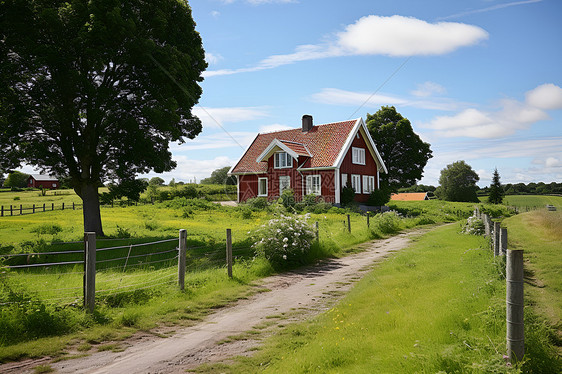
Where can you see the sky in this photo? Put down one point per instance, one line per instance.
(480, 80)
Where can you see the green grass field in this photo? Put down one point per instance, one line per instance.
(524, 202)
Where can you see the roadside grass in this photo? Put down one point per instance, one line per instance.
(539, 234)
(437, 306)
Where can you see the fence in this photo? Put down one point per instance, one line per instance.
(14, 210)
(515, 328)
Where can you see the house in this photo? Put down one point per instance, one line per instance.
(409, 196)
(43, 181)
(318, 160)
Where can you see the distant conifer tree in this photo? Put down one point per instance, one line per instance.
(496, 190)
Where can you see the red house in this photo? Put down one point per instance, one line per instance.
(43, 181)
(318, 160)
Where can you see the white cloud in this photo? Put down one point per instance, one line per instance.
(335, 96)
(215, 14)
(427, 89)
(377, 35)
(552, 162)
(488, 9)
(546, 96)
(512, 116)
(212, 58)
(216, 117)
(274, 127)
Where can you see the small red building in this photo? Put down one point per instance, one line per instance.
(318, 160)
(43, 181)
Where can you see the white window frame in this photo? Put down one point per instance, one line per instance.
(343, 181)
(358, 155)
(282, 160)
(368, 184)
(314, 185)
(281, 183)
(356, 183)
(260, 193)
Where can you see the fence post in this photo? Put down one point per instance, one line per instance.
(43, 207)
(515, 335)
(229, 252)
(73, 206)
(486, 220)
(368, 223)
(33, 208)
(348, 223)
(317, 232)
(496, 239)
(503, 241)
(89, 271)
(11, 211)
(2, 211)
(181, 259)
(62, 206)
(52, 206)
(21, 209)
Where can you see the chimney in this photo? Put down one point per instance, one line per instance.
(306, 123)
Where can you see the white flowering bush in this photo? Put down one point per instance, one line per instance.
(284, 240)
(473, 226)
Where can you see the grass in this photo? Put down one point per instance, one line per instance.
(539, 235)
(524, 202)
(435, 307)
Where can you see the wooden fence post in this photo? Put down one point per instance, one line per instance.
(496, 239)
(515, 335)
(368, 223)
(21, 209)
(317, 232)
(62, 206)
(89, 271)
(229, 252)
(33, 208)
(181, 258)
(348, 223)
(503, 241)
(52, 206)
(73, 206)
(2, 211)
(11, 211)
(43, 207)
(486, 220)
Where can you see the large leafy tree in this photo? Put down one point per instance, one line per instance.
(496, 189)
(96, 90)
(458, 183)
(16, 179)
(402, 150)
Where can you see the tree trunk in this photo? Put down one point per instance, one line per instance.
(91, 209)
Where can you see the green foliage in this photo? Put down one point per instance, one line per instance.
(287, 198)
(402, 150)
(16, 179)
(128, 188)
(379, 197)
(101, 79)
(220, 176)
(386, 223)
(156, 181)
(122, 233)
(347, 195)
(496, 191)
(473, 226)
(458, 183)
(257, 203)
(284, 241)
(47, 228)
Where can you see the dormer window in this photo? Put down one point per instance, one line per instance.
(283, 160)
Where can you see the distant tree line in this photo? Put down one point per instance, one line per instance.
(540, 188)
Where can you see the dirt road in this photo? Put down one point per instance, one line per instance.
(296, 295)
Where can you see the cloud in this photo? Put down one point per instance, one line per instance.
(216, 117)
(335, 96)
(546, 96)
(427, 89)
(512, 116)
(274, 127)
(212, 58)
(491, 8)
(395, 36)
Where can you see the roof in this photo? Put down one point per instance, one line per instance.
(323, 143)
(409, 196)
(44, 178)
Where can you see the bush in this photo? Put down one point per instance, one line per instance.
(386, 223)
(257, 203)
(347, 195)
(379, 197)
(47, 228)
(288, 199)
(473, 226)
(284, 241)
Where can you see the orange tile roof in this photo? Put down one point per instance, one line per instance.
(409, 196)
(298, 148)
(323, 142)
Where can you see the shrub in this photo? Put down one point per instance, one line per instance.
(257, 203)
(386, 223)
(122, 233)
(288, 198)
(379, 197)
(347, 195)
(47, 228)
(473, 226)
(284, 241)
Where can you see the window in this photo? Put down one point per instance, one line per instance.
(284, 183)
(356, 183)
(368, 184)
(343, 180)
(358, 156)
(313, 185)
(283, 160)
(262, 186)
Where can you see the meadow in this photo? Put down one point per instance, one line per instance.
(528, 202)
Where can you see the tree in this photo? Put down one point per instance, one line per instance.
(156, 181)
(402, 150)
(96, 90)
(220, 176)
(458, 183)
(16, 179)
(496, 189)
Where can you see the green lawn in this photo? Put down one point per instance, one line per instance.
(532, 201)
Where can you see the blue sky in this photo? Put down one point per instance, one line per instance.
(480, 80)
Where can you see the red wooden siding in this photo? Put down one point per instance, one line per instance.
(370, 167)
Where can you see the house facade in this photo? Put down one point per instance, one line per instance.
(313, 160)
(43, 181)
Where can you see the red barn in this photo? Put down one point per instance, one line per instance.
(43, 181)
(318, 160)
